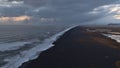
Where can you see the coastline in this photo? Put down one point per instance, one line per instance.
(33, 53)
(77, 48)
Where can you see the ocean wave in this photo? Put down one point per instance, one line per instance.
(12, 45)
(15, 45)
(24, 56)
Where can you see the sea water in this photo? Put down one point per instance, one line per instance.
(22, 43)
(112, 36)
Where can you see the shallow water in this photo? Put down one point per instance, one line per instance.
(115, 37)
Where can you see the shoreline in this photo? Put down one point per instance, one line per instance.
(77, 48)
(34, 52)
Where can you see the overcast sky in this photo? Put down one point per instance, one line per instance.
(59, 11)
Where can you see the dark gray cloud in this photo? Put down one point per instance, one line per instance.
(67, 11)
(14, 11)
(34, 3)
(65, 2)
(73, 10)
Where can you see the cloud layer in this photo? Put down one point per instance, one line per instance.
(15, 19)
(60, 11)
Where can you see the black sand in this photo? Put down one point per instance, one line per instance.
(79, 49)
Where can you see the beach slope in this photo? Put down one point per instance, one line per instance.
(78, 48)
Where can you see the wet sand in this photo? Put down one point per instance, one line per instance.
(78, 48)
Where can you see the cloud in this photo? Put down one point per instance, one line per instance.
(15, 19)
(14, 11)
(73, 11)
(112, 9)
(65, 11)
(5, 3)
(117, 17)
(43, 20)
(13, 8)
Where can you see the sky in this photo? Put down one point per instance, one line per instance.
(31, 12)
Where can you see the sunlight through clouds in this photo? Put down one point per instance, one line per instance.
(112, 9)
(15, 19)
(117, 17)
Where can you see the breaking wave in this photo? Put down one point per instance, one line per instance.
(24, 56)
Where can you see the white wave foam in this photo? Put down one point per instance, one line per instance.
(33, 53)
(16, 45)
(12, 46)
(115, 37)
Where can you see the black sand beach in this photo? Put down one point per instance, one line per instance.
(78, 48)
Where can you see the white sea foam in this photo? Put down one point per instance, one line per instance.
(12, 46)
(33, 53)
(115, 37)
(15, 45)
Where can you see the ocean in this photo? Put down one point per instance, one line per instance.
(21, 43)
